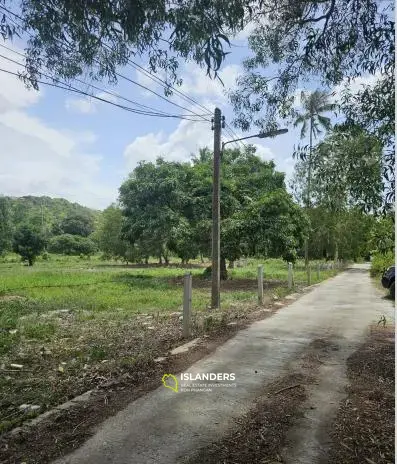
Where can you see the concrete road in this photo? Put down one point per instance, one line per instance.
(164, 426)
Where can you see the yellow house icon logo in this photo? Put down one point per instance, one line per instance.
(170, 381)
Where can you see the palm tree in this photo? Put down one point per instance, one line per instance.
(314, 104)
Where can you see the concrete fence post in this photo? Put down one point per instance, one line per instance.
(290, 277)
(260, 284)
(187, 304)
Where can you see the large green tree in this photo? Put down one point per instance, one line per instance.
(331, 42)
(346, 192)
(28, 243)
(346, 172)
(68, 244)
(108, 233)
(78, 224)
(167, 206)
(152, 200)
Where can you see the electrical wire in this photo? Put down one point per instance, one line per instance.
(91, 85)
(125, 77)
(81, 92)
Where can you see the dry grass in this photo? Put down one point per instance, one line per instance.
(364, 430)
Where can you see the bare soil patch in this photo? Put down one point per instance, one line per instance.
(364, 431)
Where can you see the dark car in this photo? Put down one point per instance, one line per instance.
(388, 279)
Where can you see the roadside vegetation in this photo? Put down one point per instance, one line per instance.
(70, 324)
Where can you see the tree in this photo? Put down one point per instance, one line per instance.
(78, 224)
(68, 244)
(108, 233)
(346, 191)
(182, 241)
(274, 225)
(28, 243)
(346, 172)
(372, 109)
(330, 41)
(382, 235)
(5, 225)
(95, 38)
(167, 206)
(314, 104)
(152, 200)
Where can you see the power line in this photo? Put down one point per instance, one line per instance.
(232, 134)
(91, 85)
(72, 89)
(121, 75)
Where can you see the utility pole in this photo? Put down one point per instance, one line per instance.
(216, 212)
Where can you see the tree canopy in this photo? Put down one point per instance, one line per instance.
(167, 207)
(346, 172)
(28, 243)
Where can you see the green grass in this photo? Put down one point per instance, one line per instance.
(68, 320)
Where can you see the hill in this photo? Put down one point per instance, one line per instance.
(45, 212)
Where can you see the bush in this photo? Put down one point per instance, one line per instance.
(28, 243)
(290, 256)
(380, 262)
(75, 245)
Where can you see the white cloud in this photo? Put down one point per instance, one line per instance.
(179, 145)
(197, 84)
(356, 84)
(187, 139)
(243, 35)
(38, 159)
(13, 92)
(89, 105)
(80, 105)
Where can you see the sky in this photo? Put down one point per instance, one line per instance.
(64, 145)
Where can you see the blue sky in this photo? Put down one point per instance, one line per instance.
(60, 144)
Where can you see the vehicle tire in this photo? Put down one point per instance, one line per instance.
(392, 290)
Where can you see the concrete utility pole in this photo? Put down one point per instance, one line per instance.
(216, 212)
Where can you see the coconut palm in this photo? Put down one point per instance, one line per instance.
(314, 105)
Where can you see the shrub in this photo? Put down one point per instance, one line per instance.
(28, 243)
(68, 244)
(290, 256)
(380, 262)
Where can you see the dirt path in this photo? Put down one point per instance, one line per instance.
(166, 426)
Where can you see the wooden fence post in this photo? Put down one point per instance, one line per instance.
(260, 284)
(290, 275)
(187, 304)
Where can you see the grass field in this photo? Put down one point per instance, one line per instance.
(71, 323)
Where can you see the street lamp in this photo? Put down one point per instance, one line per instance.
(218, 151)
(261, 135)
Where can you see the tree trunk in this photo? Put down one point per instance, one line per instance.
(160, 260)
(309, 178)
(223, 269)
(30, 261)
(146, 259)
(231, 264)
